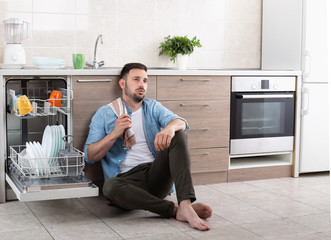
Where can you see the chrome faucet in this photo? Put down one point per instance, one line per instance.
(96, 64)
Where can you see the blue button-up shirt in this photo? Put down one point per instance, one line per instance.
(155, 117)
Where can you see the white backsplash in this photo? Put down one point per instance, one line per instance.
(229, 30)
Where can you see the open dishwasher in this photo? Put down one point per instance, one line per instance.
(39, 164)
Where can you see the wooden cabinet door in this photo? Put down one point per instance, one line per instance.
(90, 93)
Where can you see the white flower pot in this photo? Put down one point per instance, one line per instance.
(182, 61)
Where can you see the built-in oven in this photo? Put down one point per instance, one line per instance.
(262, 114)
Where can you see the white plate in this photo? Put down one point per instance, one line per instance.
(54, 140)
(32, 158)
(49, 66)
(63, 133)
(47, 141)
(11, 66)
(43, 158)
(57, 140)
(38, 157)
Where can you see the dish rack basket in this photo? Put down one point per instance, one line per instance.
(57, 166)
(40, 101)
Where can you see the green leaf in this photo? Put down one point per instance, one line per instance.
(178, 45)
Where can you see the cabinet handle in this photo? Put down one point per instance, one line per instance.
(200, 154)
(197, 80)
(93, 80)
(193, 105)
(199, 129)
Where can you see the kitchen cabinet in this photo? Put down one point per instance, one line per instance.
(92, 92)
(204, 101)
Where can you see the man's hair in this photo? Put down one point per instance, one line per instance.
(127, 67)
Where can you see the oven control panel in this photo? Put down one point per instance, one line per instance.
(262, 84)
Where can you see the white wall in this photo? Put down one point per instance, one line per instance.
(229, 30)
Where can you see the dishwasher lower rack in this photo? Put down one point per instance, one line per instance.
(36, 168)
(64, 173)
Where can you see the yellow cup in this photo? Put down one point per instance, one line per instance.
(23, 105)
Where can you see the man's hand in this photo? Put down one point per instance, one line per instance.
(163, 138)
(123, 122)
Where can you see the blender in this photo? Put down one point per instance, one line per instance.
(16, 31)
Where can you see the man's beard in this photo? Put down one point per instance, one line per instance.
(137, 98)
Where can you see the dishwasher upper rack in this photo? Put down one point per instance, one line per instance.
(40, 101)
(58, 166)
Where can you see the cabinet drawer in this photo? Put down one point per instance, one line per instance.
(201, 112)
(209, 121)
(192, 87)
(209, 160)
(210, 135)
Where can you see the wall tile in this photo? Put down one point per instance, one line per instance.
(96, 7)
(53, 30)
(135, 32)
(137, 8)
(51, 6)
(89, 27)
(16, 5)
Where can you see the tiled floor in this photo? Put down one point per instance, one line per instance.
(282, 209)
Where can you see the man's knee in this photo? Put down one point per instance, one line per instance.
(179, 138)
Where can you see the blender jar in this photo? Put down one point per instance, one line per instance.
(16, 30)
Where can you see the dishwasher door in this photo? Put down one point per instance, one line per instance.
(34, 170)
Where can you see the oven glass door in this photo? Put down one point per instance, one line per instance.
(262, 114)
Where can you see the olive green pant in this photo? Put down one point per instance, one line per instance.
(146, 185)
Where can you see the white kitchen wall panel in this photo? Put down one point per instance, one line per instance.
(229, 30)
(281, 34)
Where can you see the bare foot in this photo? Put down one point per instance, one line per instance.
(203, 210)
(186, 213)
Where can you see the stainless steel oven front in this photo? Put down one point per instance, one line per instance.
(262, 114)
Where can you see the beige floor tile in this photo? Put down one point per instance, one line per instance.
(273, 183)
(276, 229)
(318, 222)
(234, 187)
(63, 220)
(228, 232)
(244, 213)
(14, 207)
(45, 208)
(85, 231)
(141, 227)
(309, 236)
(306, 195)
(32, 234)
(277, 204)
(169, 236)
(19, 222)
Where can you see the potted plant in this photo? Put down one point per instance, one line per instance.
(179, 49)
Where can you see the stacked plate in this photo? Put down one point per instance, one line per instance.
(36, 158)
(42, 159)
(46, 62)
(52, 142)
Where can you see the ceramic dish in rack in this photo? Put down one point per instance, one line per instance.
(33, 158)
(63, 133)
(47, 141)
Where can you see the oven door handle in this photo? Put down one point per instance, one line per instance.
(259, 96)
